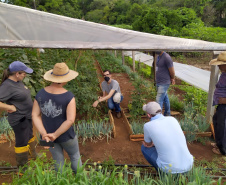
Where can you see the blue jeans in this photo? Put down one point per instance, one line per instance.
(151, 155)
(72, 149)
(162, 98)
(112, 105)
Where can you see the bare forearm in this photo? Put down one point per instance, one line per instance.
(172, 72)
(104, 98)
(110, 94)
(148, 145)
(63, 128)
(39, 125)
(222, 100)
(4, 106)
(172, 75)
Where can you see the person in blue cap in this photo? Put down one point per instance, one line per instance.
(15, 98)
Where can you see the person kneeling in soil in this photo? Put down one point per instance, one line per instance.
(219, 99)
(54, 113)
(164, 145)
(111, 92)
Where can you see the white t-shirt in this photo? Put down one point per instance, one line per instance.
(170, 143)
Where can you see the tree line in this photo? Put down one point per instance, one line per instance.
(197, 19)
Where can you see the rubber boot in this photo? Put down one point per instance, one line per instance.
(32, 145)
(21, 156)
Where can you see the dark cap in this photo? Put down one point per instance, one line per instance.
(19, 66)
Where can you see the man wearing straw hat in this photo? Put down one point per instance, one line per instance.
(54, 113)
(219, 99)
(164, 145)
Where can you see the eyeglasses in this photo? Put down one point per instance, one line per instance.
(106, 75)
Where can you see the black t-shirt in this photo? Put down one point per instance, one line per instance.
(17, 94)
(54, 112)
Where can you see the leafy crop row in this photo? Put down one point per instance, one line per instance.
(41, 172)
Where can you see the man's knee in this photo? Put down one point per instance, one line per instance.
(111, 106)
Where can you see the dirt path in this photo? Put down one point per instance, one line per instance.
(120, 148)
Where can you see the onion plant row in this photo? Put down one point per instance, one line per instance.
(6, 131)
(42, 171)
(137, 126)
(93, 130)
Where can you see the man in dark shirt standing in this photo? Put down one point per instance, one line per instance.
(165, 75)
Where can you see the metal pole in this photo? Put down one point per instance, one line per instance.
(154, 66)
(133, 56)
(123, 58)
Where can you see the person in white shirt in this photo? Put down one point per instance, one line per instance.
(164, 144)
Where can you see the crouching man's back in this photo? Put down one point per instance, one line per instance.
(164, 143)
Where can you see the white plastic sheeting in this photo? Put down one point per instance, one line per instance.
(195, 76)
(24, 27)
(139, 56)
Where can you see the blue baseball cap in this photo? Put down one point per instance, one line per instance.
(19, 66)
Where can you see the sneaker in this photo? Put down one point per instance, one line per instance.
(216, 151)
(214, 145)
(118, 114)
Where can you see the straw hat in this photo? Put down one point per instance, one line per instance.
(220, 60)
(60, 73)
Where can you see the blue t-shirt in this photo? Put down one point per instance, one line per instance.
(164, 62)
(170, 144)
(53, 108)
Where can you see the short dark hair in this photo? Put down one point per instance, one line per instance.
(157, 112)
(107, 71)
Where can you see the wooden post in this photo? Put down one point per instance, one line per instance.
(133, 56)
(213, 80)
(115, 53)
(154, 65)
(123, 58)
